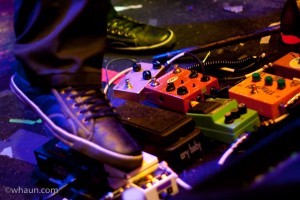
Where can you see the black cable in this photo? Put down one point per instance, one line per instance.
(249, 61)
(205, 77)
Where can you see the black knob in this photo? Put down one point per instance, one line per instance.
(156, 65)
(205, 78)
(170, 87)
(147, 75)
(193, 74)
(182, 90)
(136, 67)
(242, 108)
(235, 113)
(228, 118)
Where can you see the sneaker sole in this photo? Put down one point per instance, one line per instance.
(80, 144)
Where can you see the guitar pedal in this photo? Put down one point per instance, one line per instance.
(175, 89)
(288, 66)
(132, 85)
(265, 93)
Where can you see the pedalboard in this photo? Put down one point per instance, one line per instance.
(288, 66)
(175, 89)
(223, 119)
(169, 135)
(266, 93)
(132, 85)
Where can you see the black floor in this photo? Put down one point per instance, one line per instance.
(195, 23)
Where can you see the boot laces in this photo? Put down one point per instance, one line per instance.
(122, 26)
(93, 101)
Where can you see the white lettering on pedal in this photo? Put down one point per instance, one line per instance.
(192, 148)
(185, 154)
(195, 147)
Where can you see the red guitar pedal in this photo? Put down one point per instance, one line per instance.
(176, 89)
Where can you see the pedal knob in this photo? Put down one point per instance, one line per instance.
(170, 87)
(156, 65)
(281, 83)
(193, 74)
(242, 108)
(228, 118)
(255, 77)
(205, 78)
(136, 67)
(268, 80)
(235, 113)
(182, 90)
(147, 75)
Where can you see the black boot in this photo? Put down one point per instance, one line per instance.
(129, 35)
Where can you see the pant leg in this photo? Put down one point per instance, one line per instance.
(61, 42)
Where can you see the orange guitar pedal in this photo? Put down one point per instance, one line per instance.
(288, 66)
(265, 93)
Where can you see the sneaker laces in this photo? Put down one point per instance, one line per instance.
(122, 26)
(94, 101)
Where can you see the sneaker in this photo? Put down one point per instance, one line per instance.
(127, 34)
(290, 23)
(83, 119)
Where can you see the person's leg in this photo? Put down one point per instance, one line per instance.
(59, 42)
(60, 46)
